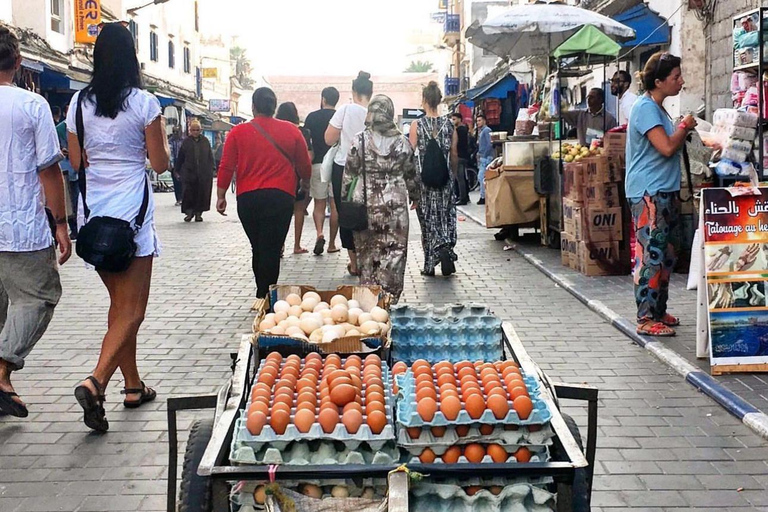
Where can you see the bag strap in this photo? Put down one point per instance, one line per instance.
(264, 133)
(365, 184)
(81, 182)
(687, 165)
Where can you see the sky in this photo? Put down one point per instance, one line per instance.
(327, 37)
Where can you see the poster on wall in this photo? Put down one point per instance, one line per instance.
(736, 264)
(87, 20)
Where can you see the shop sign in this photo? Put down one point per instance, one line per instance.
(210, 72)
(735, 230)
(216, 105)
(87, 20)
(438, 17)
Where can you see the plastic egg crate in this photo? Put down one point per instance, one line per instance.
(538, 454)
(521, 436)
(243, 495)
(433, 497)
(363, 434)
(450, 333)
(409, 417)
(318, 452)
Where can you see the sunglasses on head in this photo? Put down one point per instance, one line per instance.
(666, 56)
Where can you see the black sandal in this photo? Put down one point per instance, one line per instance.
(10, 406)
(447, 267)
(94, 415)
(147, 395)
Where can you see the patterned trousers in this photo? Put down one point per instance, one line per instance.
(657, 227)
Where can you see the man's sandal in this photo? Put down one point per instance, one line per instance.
(94, 415)
(147, 395)
(670, 321)
(10, 406)
(657, 329)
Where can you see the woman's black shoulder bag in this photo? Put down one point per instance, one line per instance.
(106, 243)
(352, 215)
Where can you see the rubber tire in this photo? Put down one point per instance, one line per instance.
(196, 494)
(578, 500)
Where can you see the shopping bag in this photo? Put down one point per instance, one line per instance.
(326, 169)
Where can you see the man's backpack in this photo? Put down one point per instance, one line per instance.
(434, 169)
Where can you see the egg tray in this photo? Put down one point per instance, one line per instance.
(408, 416)
(364, 433)
(310, 504)
(431, 497)
(406, 384)
(450, 333)
(318, 452)
(538, 454)
(243, 493)
(522, 436)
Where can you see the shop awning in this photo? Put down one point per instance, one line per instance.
(57, 77)
(33, 65)
(194, 110)
(498, 89)
(589, 40)
(651, 29)
(165, 101)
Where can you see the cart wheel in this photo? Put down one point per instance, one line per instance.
(578, 499)
(196, 491)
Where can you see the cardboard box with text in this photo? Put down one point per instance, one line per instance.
(602, 224)
(573, 181)
(599, 258)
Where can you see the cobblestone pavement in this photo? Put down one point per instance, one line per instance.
(662, 445)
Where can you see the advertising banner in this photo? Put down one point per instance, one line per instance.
(215, 105)
(87, 20)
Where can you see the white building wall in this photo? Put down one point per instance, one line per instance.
(481, 62)
(36, 15)
(6, 11)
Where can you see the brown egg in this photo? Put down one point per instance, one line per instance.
(446, 379)
(423, 373)
(274, 356)
(420, 363)
(329, 405)
(357, 382)
(268, 378)
(313, 355)
(333, 359)
(342, 394)
(260, 407)
(442, 365)
(303, 419)
(279, 421)
(373, 396)
(427, 456)
(353, 405)
(328, 419)
(280, 406)
(472, 490)
(424, 379)
(474, 404)
(374, 388)
(337, 374)
(325, 393)
(414, 432)
(534, 428)
(497, 453)
(352, 419)
(438, 431)
(426, 392)
(376, 420)
(308, 397)
(498, 405)
(353, 360)
(427, 407)
(489, 372)
(486, 429)
(372, 359)
(498, 391)
(467, 372)
(513, 380)
(462, 364)
(495, 489)
(399, 367)
(451, 455)
(305, 383)
(375, 406)
(491, 385)
(283, 399)
(450, 406)
(474, 453)
(395, 388)
(510, 370)
(523, 454)
(446, 392)
(523, 406)
(255, 422)
(517, 391)
(261, 387)
(306, 406)
(462, 430)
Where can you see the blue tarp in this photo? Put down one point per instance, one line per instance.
(55, 79)
(650, 28)
(498, 89)
(165, 101)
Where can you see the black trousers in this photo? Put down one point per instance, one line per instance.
(266, 216)
(347, 236)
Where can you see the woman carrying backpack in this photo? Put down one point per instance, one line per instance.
(434, 137)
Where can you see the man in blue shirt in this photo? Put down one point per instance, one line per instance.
(70, 177)
(484, 153)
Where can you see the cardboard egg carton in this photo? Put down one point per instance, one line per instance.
(315, 453)
(291, 489)
(539, 454)
(433, 497)
(521, 436)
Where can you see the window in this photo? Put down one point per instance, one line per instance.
(133, 27)
(171, 55)
(57, 10)
(154, 54)
(187, 60)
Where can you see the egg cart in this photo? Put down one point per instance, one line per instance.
(207, 474)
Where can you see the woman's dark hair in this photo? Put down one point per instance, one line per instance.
(432, 95)
(115, 70)
(362, 85)
(658, 67)
(264, 101)
(287, 112)
(9, 49)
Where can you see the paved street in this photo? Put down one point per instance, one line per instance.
(662, 445)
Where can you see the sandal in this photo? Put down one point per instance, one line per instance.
(331, 251)
(147, 395)
(319, 246)
(430, 273)
(94, 415)
(10, 406)
(349, 269)
(447, 267)
(657, 329)
(670, 321)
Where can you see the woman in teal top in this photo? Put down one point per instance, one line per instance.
(653, 187)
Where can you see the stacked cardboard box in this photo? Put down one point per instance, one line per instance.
(592, 213)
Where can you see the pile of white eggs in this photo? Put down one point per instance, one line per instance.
(310, 319)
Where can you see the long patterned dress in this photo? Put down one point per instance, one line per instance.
(437, 207)
(391, 180)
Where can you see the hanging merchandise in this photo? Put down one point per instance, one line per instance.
(492, 110)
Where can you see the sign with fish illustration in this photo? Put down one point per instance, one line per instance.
(735, 230)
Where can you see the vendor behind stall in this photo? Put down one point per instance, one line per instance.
(593, 122)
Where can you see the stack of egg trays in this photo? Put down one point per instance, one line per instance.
(538, 454)
(451, 333)
(244, 439)
(243, 496)
(409, 417)
(429, 497)
(521, 436)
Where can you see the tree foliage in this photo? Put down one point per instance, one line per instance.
(242, 64)
(418, 66)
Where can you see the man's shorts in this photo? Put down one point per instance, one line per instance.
(318, 189)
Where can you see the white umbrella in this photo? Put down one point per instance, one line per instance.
(535, 29)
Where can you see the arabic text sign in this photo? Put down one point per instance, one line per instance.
(735, 231)
(87, 19)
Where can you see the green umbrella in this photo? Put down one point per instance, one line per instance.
(588, 40)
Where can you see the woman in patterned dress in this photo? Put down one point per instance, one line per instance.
(390, 180)
(437, 207)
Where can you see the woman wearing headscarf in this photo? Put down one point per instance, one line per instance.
(386, 157)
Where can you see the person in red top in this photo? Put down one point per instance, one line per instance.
(270, 161)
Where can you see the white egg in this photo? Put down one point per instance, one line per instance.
(328, 321)
(354, 314)
(384, 327)
(319, 317)
(352, 303)
(340, 330)
(278, 331)
(309, 304)
(293, 299)
(266, 325)
(379, 314)
(353, 332)
(271, 318)
(368, 493)
(326, 313)
(281, 306)
(280, 316)
(340, 313)
(327, 327)
(339, 299)
(329, 336)
(316, 336)
(308, 325)
(340, 491)
(283, 324)
(321, 306)
(312, 295)
(370, 327)
(294, 331)
(292, 321)
(295, 311)
(364, 317)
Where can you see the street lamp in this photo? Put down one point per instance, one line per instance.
(153, 2)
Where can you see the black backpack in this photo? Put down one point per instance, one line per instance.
(434, 169)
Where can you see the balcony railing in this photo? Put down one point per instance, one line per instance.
(452, 86)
